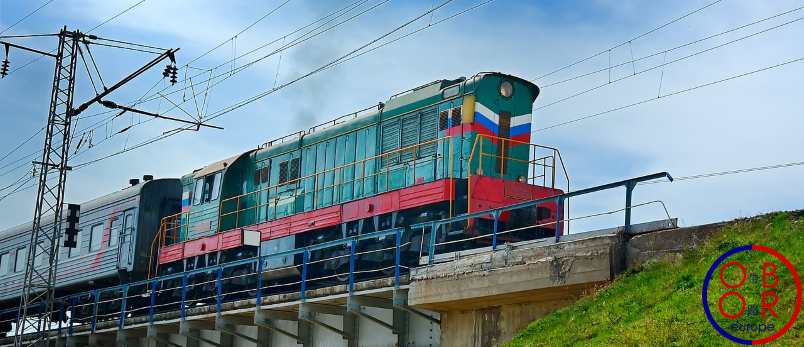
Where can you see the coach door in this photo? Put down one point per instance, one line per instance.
(124, 255)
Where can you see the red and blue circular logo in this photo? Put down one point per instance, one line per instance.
(756, 295)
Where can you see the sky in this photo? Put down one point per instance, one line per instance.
(592, 59)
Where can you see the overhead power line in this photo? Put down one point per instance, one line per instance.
(90, 30)
(26, 17)
(626, 42)
(671, 94)
(730, 172)
(664, 63)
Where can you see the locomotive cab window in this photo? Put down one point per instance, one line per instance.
(3, 264)
(207, 188)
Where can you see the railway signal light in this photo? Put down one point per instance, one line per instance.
(71, 233)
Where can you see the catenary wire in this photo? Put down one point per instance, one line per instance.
(26, 17)
(664, 63)
(627, 42)
(671, 94)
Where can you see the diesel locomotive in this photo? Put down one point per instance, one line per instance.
(444, 149)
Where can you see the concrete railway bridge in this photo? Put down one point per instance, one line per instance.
(473, 297)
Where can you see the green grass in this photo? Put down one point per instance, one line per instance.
(659, 304)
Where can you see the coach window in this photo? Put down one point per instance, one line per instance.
(3, 264)
(39, 253)
(77, 249)
(95, 237)
(114, 231)
(22, 258)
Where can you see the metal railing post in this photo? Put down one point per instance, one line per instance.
(218, 298)
(559, 207)
(72, 316)
(122, 322)
(61, 316)
(398, 258)
(352, 246)
(39, 323)
(259, 281)
(153, 302)
(496, 215)
(431, 251)
(96, 295)
(629, 189)
(183, 295)
(305, 256)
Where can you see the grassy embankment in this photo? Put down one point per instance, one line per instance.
(659, 304)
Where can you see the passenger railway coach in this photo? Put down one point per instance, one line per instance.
(114, 232)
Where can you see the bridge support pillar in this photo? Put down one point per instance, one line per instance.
(102, 339)
(161, 335)
(355, 305)
(128, 338)
(77, 341)
(308, 312)
(228, 324)
(267, 319)
(191, 329)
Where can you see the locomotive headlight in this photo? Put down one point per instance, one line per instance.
(506, 89)
(479, 171)
(521, 178)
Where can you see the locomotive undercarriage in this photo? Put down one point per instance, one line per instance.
(374, 257)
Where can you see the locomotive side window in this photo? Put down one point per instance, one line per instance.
(283, 172)
(22, 258)
(294, 169)
(95, 237)
(265, 173)
(3, 264)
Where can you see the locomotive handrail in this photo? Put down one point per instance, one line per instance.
(532, 163)
(337, 183)
(334, 122)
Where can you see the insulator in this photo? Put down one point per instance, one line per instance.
(173, 80)
(166, 73)
(4, 68)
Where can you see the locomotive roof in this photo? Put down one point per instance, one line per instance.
(89, 205)
(397, 104)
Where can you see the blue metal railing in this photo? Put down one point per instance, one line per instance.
(132, 296)
(629, 185)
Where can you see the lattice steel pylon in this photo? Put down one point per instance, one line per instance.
(38, 289)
